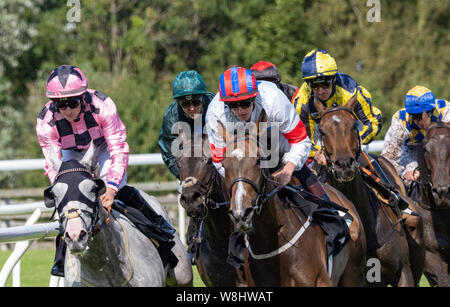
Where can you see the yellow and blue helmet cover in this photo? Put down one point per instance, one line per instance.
(419, 99)
(318, 63)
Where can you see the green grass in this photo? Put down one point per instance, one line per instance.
(36, 264)
(35, 268)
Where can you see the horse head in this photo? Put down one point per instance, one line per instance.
(340, 138)
(197, 174)
(243, 174)
(436, 153)
(75, 194)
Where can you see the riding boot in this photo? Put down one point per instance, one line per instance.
(131, 197)
(317, 189)
(311, 183)
(396, 197)
(60, 255)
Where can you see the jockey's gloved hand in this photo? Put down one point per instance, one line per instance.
(107, 198)
(220, 168)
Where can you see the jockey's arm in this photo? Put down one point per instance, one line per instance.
(165, 141)
(48, 138)
(370, 116)
(394, 142)
(115, 135)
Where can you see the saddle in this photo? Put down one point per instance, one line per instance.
(162, 239)
(331, 217)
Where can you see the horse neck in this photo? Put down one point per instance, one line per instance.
(217, 226)
(357, 192)
(268, 222)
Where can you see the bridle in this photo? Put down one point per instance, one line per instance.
(332, 164)
(206, 190)
(73, 212)
(262, 197)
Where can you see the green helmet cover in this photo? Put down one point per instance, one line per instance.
(188, 83)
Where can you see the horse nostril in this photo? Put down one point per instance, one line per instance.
(196, 196)
(82, 235)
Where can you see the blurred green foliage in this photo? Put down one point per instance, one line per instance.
(132, 50)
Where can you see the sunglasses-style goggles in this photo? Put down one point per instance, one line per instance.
(188, 100)
(321, 82)
(71, 102)
(244, 104)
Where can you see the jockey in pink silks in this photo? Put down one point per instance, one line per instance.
(74, 117)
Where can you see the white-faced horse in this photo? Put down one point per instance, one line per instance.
(106, 249)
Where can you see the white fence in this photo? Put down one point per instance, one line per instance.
(22, 235)
(30, 231)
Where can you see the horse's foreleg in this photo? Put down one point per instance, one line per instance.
(406, 277)
(436, 270)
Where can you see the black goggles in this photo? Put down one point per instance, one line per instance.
(320, 82)
(71, 102)
(188, 100)
(244, 104)
(418, 116)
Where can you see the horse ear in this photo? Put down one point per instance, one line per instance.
(49, 198)
(319, 106)
(352, 101)
(261, 119)
(222, 131)
(54, 158)
(426, 120)
(100, 186)
(88, 156)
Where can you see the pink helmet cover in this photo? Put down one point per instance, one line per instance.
(66, 81)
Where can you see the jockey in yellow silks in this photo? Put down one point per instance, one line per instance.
(332, 88)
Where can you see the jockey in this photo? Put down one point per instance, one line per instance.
(322, 79)
(75, 116)
(407, 128)
(269, 72)
(242, 99)
(191, 99)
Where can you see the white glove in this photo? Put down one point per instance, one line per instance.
(220, 168)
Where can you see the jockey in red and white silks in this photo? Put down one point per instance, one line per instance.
(293, 140)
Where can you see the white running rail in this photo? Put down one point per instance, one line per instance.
(22, 234)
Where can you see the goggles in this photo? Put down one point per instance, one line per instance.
(71, 102)
(324, 82)
(418, 116)
(244, 104)
(188, 100)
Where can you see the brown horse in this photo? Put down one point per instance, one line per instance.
(432, 194)
(205, 202)
(387, 240)
(285, 247)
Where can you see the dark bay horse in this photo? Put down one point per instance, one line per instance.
(205, 201)
(432, 194)
(387, 240)
(285, 247)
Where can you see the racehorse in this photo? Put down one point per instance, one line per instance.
(103, 247)
(285, 246)
(432, 194)
(205, 202)
(387, 241)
